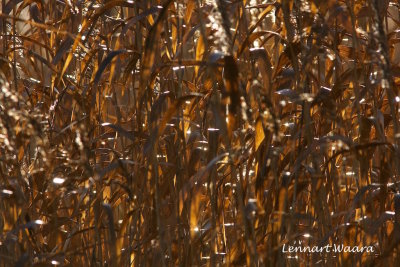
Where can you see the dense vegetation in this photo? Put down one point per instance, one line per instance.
(198, 132)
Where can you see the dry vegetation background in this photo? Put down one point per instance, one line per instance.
(193, 132)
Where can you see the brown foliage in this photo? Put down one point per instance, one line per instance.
(191, 133)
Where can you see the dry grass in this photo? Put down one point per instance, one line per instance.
(193, 132)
